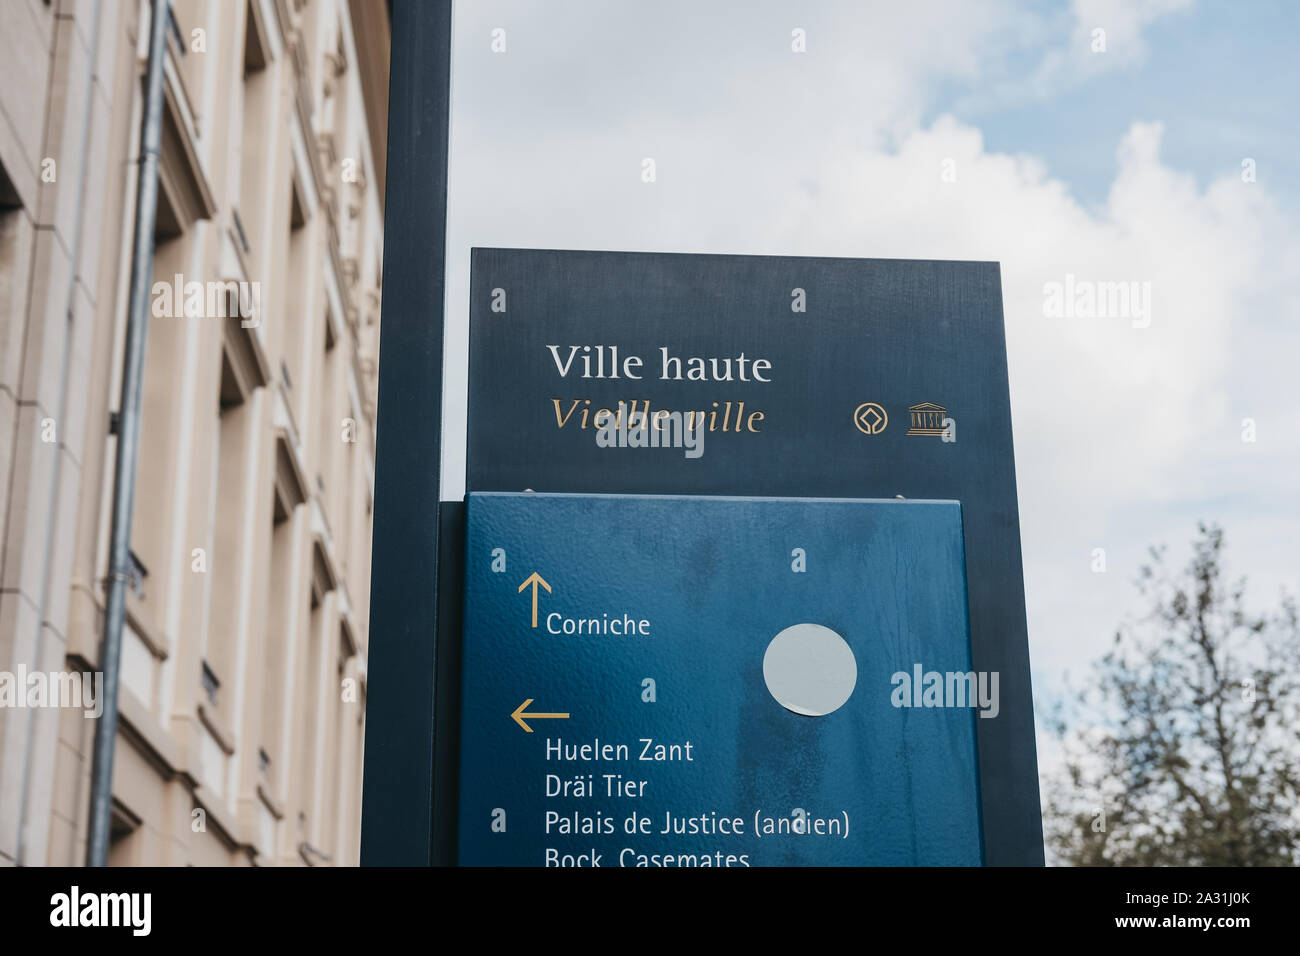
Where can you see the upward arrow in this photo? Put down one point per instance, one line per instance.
(535, 579)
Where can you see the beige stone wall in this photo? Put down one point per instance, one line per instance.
(243, 667)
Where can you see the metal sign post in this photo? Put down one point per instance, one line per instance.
(397, 801)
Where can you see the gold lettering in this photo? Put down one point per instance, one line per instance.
(560, 421)
(725, 416)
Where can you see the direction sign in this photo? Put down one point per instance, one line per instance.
(660, 373)
(712, 681)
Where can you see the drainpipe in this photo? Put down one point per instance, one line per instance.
(47, 567)
(128, 438)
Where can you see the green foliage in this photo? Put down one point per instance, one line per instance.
(1184, 748)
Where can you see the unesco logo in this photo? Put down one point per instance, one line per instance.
(927, 419)
(870, 418)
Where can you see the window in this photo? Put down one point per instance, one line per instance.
(123, 836)
(8, 194)
(249, 217)
(208, 680)
(330, 433)
(277, 637)
(229, 494)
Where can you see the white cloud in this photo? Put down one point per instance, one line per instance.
(1124, 435)
(1123, 22)
(1095, 37)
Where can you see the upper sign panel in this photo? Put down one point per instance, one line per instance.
(830, 377)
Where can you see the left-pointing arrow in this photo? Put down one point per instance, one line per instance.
(520, 714)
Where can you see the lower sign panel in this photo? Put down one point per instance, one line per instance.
(680, 681)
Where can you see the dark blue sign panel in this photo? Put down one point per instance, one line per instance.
(694, 681)
(656, 373)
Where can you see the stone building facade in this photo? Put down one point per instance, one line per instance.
(243, 664)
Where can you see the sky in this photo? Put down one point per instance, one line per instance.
(1122, 164)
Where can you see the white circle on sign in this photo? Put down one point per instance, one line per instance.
(810, 670)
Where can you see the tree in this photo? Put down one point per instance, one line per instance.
(1184, 749)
